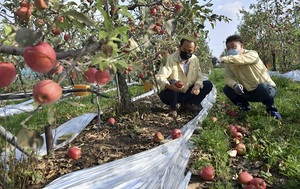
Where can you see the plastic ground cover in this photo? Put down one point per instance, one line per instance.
(161, 167)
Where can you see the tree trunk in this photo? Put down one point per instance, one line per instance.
(274, 61)
(126, 105)
(49, 141)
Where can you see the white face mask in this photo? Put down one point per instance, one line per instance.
(233, 52)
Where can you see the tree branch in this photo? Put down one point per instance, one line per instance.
(12, 50)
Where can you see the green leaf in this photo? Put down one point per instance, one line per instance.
(77, 24)
(114, 68)
(121, 64)
(124, 11)
(169, 26)
(107, 19)
(103, 65)
(115, 47)
(27, 37)
(188, 37)
(102, 35)
(7, 30)
(119, 30)
(79, 17)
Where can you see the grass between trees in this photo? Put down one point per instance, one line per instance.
(272, 144)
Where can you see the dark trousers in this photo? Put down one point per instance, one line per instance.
(171, 97)
(264, 93)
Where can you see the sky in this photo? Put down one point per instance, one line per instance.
(222, 30)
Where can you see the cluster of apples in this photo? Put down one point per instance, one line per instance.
(25, 11)
(237, 133)
(42, 59)
(247, 180)
(158, 12)
(158, 137)
(93, 75)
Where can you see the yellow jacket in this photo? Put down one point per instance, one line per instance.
(246, 69)
(173, 69)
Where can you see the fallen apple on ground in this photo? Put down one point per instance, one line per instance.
(111, 121)
(74, 153)
(213, 119)
(176, 133)
(158, 137)
(258, 183)
(244, 177)
(207, 173)
(240, 148)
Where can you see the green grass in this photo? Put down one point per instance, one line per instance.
(276, 143)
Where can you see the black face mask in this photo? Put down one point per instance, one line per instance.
(185, 55)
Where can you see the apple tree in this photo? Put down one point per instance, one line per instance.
(110, 35)
(272, 28)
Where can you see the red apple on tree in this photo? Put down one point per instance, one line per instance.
(89, 75)
(102, 77)
(153, 11)
(66, 37)
(59, 19)
(74, 153)
(141, 76)
(7, 73)
(207, 173)
(47, 92)
(58, 69)
(178, 7)
(156, 28)
(24, 13)
(176, 133)
(40, 58)
(56, 30)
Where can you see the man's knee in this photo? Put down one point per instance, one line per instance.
(208, 84)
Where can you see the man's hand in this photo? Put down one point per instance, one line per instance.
(196, 89)
(238, 88)
(173, 87)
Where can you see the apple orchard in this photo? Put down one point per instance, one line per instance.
(49, 45)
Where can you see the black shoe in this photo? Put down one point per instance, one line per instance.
(244, 108)
(275, 114)
(173, 112)
(272, 111)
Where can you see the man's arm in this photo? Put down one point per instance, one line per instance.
(163, 74)
(249, 57)
(230, 79)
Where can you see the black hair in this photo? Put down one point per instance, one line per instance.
(234, 38)
(183, 40)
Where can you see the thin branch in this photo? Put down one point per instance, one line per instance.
(13, 50)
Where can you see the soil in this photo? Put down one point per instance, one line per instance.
(133, 133)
